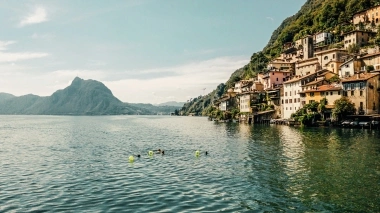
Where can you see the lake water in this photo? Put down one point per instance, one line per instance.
(80, 164)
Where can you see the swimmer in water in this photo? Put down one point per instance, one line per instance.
(206, 153)
(159, 151)
(138, 156)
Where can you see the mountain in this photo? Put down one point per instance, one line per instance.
(5, 96)
(172, 103)
(82, 97)
(332, 16)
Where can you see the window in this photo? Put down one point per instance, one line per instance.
(312, 94)
(361, 105)
(333, 56)
(276, 79)
(331, 93)
(295, 100)
(361, 93)
(361, 85)
(332, 65)
(283, 79)
(352, 93)
(295, 93)
(352, 86)
(338, 92)
(286, 93)
(290, 100)
(326, 58)
(298, 100)
(286, 108)
(282, 101)
(322, 93)
(286, 101)
(303, 102)
(311, 101)
(345, 93)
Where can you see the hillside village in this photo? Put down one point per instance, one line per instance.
(318, 69)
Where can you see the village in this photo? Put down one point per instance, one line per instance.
(320, 69)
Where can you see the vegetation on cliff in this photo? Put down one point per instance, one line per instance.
(315, 16)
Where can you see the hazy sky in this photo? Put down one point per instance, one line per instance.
(148, 51)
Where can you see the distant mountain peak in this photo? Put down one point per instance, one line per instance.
(77, 81)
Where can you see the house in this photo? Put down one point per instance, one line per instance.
(358, 37)
(275, 78)
(349, 67)
(363, 90)
(330, 93)
(370, 59)
(307, 66)
(227, 102)
(331, 59)
(281, 66)
(291, 100)
(322, 39)
(305, 47)
(320, 79)
(367, 19)
(274, 98)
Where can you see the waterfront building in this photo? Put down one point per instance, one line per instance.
(274, 78)
(328, 93)
(363, 90)
(291, 100)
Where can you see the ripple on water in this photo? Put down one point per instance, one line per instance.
(80, 164)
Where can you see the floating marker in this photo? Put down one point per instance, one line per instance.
(197, 153)
(150, 153)
(131, 159)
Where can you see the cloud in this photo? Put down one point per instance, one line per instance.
(4, 44)
(42, 36)
(17, 56)
(39, 15)
(270, 18)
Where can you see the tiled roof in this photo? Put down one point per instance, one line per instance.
(298, 78)
(312, 83)
(361, 77)
(325, 88)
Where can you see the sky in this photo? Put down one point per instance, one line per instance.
(144, 51)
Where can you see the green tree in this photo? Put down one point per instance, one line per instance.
(342, 108)
(370, 68)
(353, 48)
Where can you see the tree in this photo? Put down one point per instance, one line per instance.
(353, 48)
(342, 108)
(370, 68)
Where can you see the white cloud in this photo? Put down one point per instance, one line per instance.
(39, 15)
(4, 44)
(270, 18)
(42, 36)
(17, 56)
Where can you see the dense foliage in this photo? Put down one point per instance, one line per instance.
(343, 107)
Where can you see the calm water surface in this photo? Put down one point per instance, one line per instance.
(80, 164)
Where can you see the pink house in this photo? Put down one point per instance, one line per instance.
(274, 78)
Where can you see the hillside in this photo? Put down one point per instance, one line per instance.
(332, 16)
(82, 97)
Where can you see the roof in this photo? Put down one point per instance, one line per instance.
(346, 62)
(325, 88)
(313, 82)
(299, 78)
(307, 60)
(330, 50)
(369, 55)
(359, 31)
(362, 11)
(361, 77)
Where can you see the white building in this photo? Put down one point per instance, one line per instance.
(291, 100)
(245, 105)
(321, 37)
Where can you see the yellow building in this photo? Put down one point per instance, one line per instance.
(330, 92)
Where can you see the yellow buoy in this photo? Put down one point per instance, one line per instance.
(131, 159)
(150, 153)
(197, 153)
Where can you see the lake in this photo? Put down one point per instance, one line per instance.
(80, 164)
